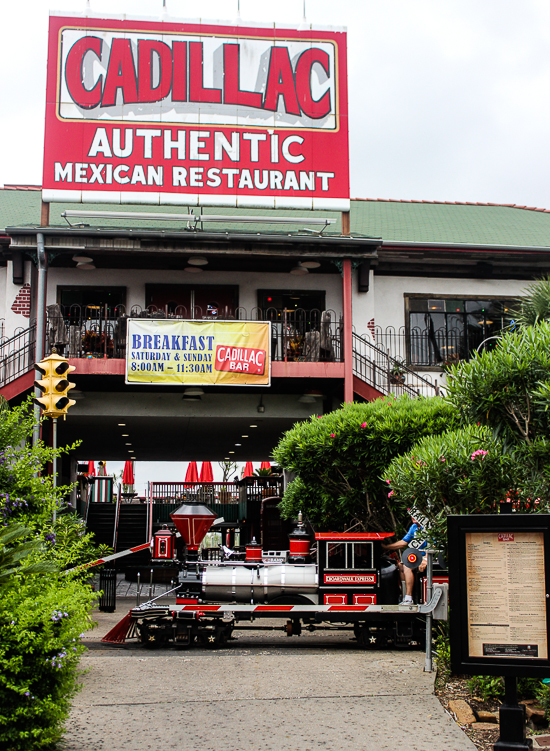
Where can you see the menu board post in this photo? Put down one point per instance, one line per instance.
(499, 584)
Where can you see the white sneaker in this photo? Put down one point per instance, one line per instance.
(407, 600)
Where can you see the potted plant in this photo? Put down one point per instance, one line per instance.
(397, 374)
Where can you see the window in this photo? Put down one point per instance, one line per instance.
(88, 303)
(446, 330)
(356, 555)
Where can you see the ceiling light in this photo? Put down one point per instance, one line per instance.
(244, 436)
(82, 259)
(238, 444)
(193, 391)
(121, 424)
(85, 266)
(311, 264)
(125, 435)
(252, 426)
(311, 396)
(299, 270)
(127, 444)
(197, 261)
(230, 452)
(193, 269)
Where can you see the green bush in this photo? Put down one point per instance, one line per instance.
(42, 612)
(41, 621)
(339, 458)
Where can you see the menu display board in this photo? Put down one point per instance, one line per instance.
(499, 588)
(508, 620)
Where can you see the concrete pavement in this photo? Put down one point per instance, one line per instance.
(265, 690)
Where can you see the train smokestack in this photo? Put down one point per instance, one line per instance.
(193, 520)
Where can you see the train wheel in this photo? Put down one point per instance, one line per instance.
(372, 639)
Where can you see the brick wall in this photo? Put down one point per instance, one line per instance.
(22, 303)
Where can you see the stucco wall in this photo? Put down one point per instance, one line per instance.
(136, 279)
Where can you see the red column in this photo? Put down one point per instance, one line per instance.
(348, 338)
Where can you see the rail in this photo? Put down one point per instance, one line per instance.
(99, 331)
(388, 374)
(428, 347)
(17, 354)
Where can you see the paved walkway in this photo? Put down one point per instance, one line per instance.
(265, 691)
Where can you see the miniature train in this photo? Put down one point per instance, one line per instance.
(344, 581)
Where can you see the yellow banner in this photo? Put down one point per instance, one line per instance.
(205, 353)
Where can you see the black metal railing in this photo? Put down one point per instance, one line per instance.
(100, 330)
(427, 347)
(17, 354)
(388, 374)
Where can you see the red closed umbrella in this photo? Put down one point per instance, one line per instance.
(91, 469)
(192, 474)
(248, 470)
(128, 474)
(206, 473)
(265, 465)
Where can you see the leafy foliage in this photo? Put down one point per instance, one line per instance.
(534, 305)
(339, 458)
(41, 620)
(12, 558)
(465, 471)
(503, 388)
(42, 610)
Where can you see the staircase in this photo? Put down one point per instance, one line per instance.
(376, 373)
(132, 531)
(101, 521)
(16, 362)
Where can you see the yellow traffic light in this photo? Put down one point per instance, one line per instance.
(54, 386)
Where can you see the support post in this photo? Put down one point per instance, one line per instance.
(512, 720)
(40, 325)
(54, 462)
(346, 223)
(45, 214)
(428, 665)
(348, 331)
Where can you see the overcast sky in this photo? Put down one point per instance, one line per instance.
(449, 99)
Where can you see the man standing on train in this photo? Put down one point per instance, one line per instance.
(409, 540)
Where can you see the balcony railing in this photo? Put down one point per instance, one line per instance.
(388, 374)
(17, 354)
(429, 347)
(100, 330)
(250, 489)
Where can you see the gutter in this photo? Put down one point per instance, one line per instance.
(416, 245)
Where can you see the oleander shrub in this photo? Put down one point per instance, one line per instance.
(339, 458)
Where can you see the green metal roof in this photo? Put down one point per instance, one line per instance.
(393, 221)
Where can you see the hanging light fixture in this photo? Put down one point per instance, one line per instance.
(310, 264)
(85, 266)
(299, 270)
(82, 259)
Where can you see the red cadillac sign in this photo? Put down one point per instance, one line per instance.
(189, 114)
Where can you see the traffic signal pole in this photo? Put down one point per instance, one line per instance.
(54, 462)
(40, 325)
(53, 397)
